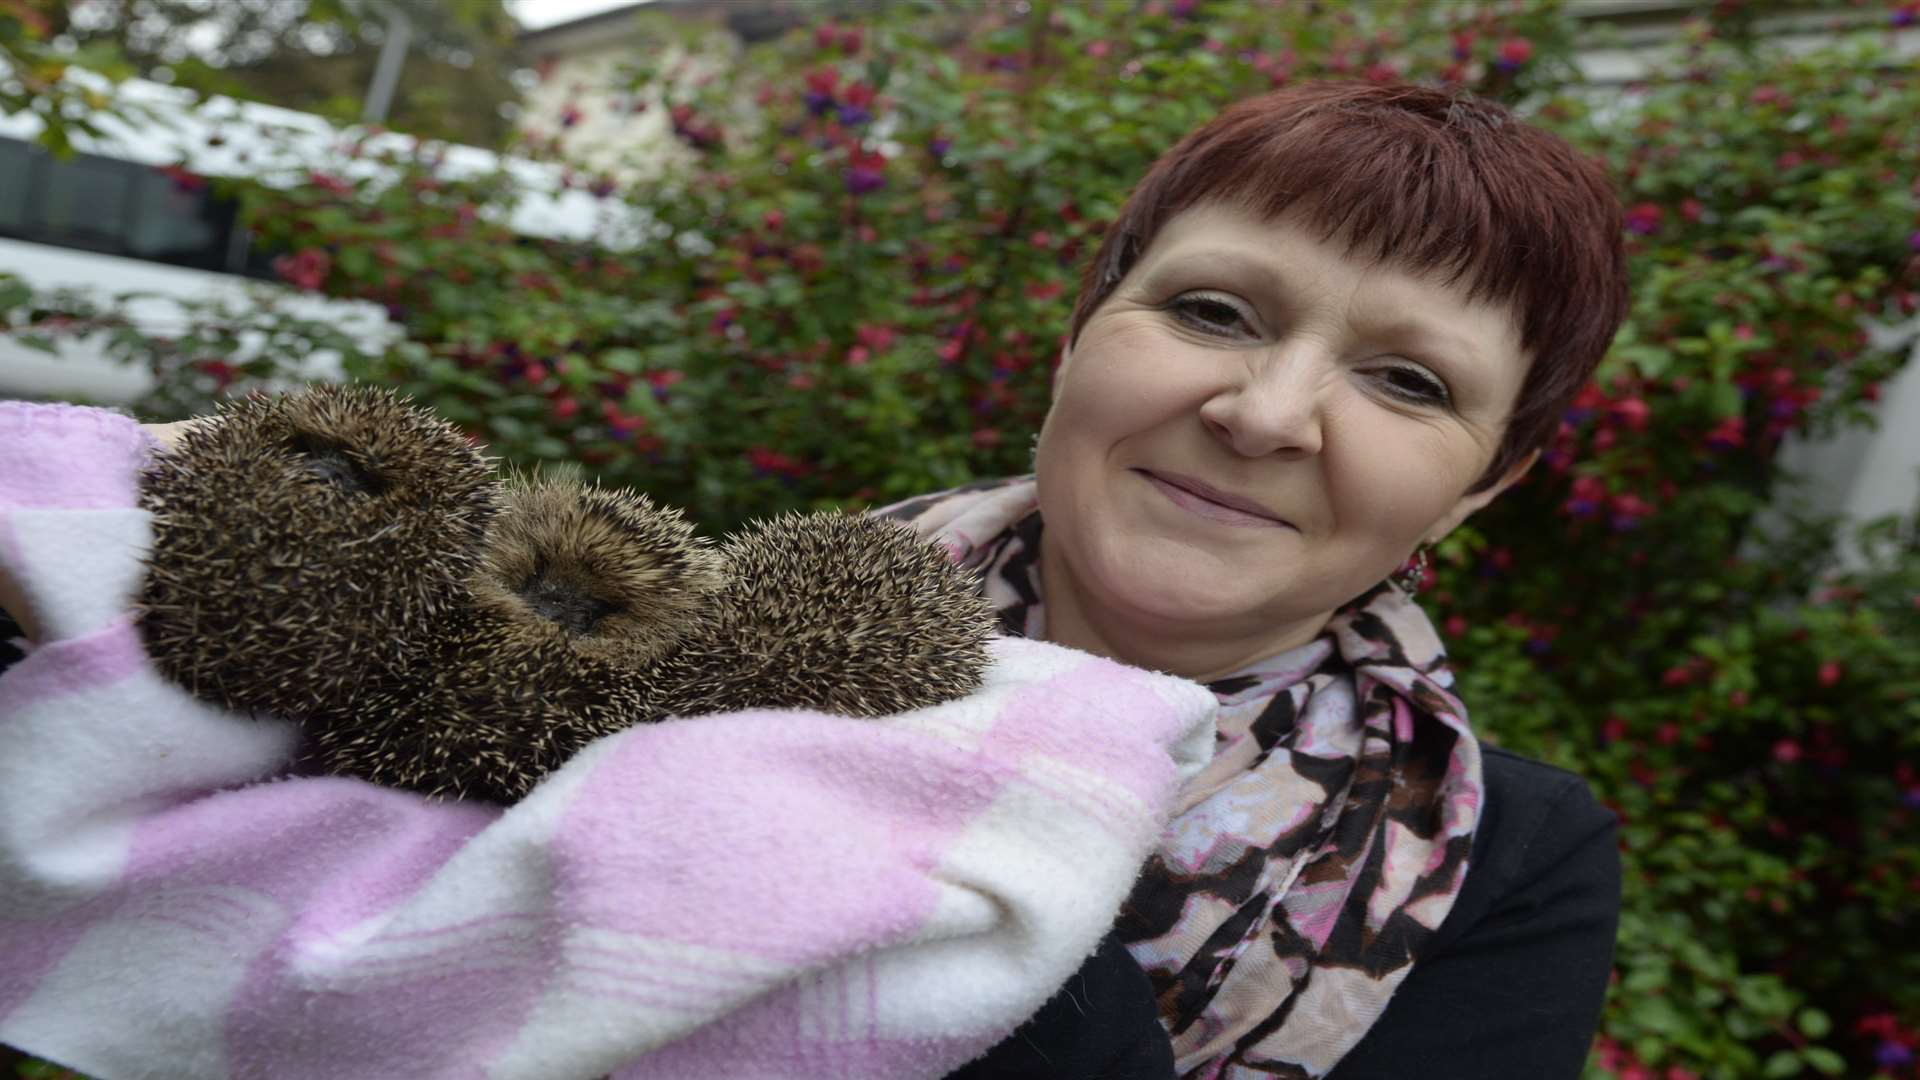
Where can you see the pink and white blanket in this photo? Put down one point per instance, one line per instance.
(758, 894)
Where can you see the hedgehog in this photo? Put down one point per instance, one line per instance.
(604, 571)
(578, 589)
(836, 612)
(483, 709)
(297, 540)
(341, 559)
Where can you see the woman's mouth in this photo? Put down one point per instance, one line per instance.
(1211, 503)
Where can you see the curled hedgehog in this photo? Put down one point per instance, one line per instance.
(342, 559)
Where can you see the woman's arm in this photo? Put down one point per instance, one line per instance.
(1515, 992)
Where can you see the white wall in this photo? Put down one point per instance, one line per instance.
(83, 372)
(1862, 474)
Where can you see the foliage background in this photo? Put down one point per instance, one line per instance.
(857, 290)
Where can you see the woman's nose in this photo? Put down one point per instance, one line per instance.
(1274, 406)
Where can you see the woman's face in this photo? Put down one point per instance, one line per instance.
(1255, 428)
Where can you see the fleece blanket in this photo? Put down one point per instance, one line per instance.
(751, 895)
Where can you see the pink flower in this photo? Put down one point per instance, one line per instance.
(823, 81)
(766, 461)
(183, 180)
(1728, 434)
(864, 180)
(1643, 218)
(1830, 673)
(220, 371)
(1588, 493)
(1585, 403)
(821, 85)
(332, 185)
(877, 338)
(1628, 511)
(1632, 412)
(1786, 751)
(864, 173)
(304, 269)
(1513, 53)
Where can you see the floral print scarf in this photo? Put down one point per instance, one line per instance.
(1308, 865)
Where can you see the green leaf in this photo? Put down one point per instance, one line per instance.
(38, 343)
(13, 293)
(1814, 1023)
(1726, 400)
(624, 361)
(1783, 1063)
(1826, 1061)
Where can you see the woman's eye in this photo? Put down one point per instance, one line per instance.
(1207, 313)
(1414, 385)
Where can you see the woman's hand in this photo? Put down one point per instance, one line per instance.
(168, 435)
(13, 602)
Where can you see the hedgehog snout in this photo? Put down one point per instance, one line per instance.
(330, 464)
(573, 610)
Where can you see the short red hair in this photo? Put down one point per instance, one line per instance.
(1429, 180)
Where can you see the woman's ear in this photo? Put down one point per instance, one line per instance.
(1470, 503)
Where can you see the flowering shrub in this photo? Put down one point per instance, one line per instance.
(857, 290)
(1752, 721)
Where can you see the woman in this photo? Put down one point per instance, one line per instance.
(1328, 326)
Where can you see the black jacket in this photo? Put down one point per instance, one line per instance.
(1509, 989)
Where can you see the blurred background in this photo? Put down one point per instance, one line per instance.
(753, 255)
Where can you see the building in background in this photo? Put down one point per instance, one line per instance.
(584, 98)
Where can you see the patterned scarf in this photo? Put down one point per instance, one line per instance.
(1310, 862)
